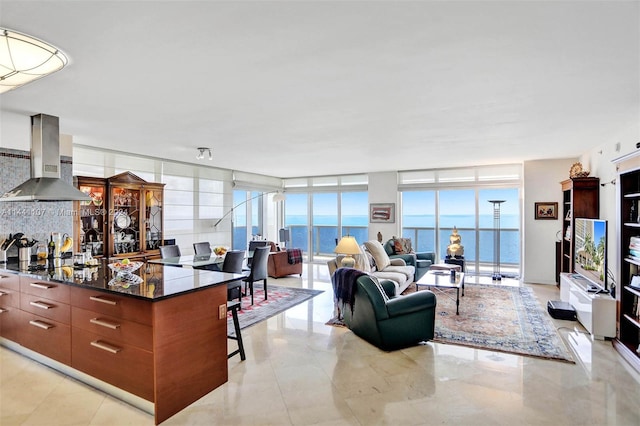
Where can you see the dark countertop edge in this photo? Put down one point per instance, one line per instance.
(133, 296)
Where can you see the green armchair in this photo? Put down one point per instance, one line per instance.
(420, 261)
(390, 322)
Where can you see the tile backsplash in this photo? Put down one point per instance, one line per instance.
(35, 219)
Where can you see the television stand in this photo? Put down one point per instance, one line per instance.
(596, 310)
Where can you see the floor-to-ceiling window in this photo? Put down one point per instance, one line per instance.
(499, 229)
(296, 219)
(248, 221)
(419, 219)
(324, 206)
(434, 202)
(318, 211)
(354, 215)
(457, 208)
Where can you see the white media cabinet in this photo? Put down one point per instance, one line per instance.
(596, 312)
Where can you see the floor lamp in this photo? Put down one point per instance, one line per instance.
(496, 239)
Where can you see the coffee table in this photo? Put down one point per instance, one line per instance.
(442, 280)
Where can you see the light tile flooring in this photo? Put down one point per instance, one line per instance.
(299, 371)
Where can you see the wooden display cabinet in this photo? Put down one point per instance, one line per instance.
(580, 198)
(90, 228)
(124, 218)
(628, 201)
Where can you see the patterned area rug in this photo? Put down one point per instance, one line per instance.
(279, 299)
(499, 318)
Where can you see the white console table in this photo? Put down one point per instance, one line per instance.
(596, 312)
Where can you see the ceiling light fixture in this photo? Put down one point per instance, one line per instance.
(24, 59)
(201, 152)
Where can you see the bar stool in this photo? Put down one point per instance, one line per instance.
(234, 307)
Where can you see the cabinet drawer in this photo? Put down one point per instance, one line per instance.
(9, 323)
(9, 281)
(114, 329)
(48, 289)
(47, 308)
(113, 305)
(122, 365)
(9, 296)
(45, 336)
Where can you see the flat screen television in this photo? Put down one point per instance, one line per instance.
(590, 255)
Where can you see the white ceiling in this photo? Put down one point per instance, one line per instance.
(302, 88)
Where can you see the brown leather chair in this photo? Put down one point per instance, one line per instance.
(279, 266)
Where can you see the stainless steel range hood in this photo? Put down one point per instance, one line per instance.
(45, 183)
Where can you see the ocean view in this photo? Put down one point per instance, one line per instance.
(421, 231)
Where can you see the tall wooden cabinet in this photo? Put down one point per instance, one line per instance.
(628, 201)
(580, 198)
(123, 219)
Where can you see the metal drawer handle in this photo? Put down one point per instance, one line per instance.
(105, 347)
(103, 323)
(42, 286)
(2, 311)
(3, 276)
(2, 293)
(41, 305)
(101, 300)
(41, 324)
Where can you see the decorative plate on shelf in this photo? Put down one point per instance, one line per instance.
(122, 220)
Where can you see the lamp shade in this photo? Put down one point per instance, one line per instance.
(347, 245)
(24, 58)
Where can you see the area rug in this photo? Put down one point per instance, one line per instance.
(499, 318)
(279, 299)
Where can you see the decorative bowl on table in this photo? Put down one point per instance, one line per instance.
(219, 251)
(125, 268)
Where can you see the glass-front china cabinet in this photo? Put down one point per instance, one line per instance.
(131, 224)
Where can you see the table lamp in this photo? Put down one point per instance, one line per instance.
(348, 246)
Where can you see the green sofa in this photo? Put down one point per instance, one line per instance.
(390, 322)
(420, 261)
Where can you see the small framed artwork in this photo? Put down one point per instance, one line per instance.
(382, 212)
(546, 210)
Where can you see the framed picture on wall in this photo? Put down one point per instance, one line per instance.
(382, 212)
(546, 210)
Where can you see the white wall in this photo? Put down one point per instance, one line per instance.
(15, 133)
(383, 188)
(542, 184)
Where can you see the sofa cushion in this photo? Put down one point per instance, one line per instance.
(407, 271)
(377, 251)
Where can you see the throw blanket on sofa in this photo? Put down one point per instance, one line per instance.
(344, 286)
(295, 256)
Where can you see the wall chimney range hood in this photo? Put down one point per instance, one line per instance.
(45, 183)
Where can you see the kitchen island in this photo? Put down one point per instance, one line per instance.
(156, 338)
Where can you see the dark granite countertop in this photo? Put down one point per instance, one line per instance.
(150, 282)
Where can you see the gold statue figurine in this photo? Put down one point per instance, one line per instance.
(455, 249)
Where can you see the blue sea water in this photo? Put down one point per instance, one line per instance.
(421, 231)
